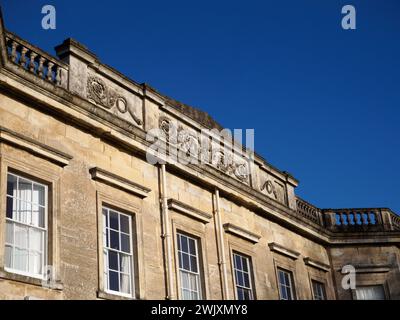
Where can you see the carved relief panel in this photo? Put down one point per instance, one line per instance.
(204, 149)
(273, 187)
(116, 100)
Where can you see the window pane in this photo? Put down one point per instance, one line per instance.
(20, 259)
(8, 257)
(114, 220)
(244, 264)
(35, 239)
(193, 264)
(24, 190)
(184, 244)
(125, 243)
(185, 280)
(38, 194)
(281, 277)
(238, 262)
(9, 232)
(113, 260)
(192, 246)
(185, 261)
(289, 293)
(240, 294)
(246, 280)
(193, 282)
(124, 263)
(195, 295)
(35, 263)
(114, 281)
(240, 278)
(11, 207)
(11, 185)
(38, 216)
(23, 214)
(125, 286)
(186, 294)
(124, 220)
(284, 295)
(21, 236)
(114, 240)
(246, 295)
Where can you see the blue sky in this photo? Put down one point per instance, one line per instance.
(324, 102)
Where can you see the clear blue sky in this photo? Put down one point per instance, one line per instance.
(324, 102)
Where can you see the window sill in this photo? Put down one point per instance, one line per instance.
(110, 296)
(29, 280)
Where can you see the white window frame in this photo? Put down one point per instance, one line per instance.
(290, 286)
(29, 226)
(249, 272)
(317, 294)
(106, 277)
(182, 270)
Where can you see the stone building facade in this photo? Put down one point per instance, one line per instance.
(84, 215)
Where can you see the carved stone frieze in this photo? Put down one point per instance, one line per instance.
(190, 143)
(101, 94)
(274, 190)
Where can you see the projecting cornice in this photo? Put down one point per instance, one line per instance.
(316, 264)
(274, 247)
(189, 211)
(35, 147)
(241, 233)
(119, 182)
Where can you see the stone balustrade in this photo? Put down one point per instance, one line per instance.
(308, 211)
(349, 220)
(36, 61)
(354, 220)
(394, 221)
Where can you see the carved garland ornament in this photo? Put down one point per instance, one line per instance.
(270, 188)
(228, 166)
(189, 144)
(98, 92)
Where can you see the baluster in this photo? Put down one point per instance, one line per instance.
(14, 51)
(341, 219)
(40, 67)
(32, 65)
(58, 76)
(23, 59)
(369, 220)
(50, 71)
(364, 220)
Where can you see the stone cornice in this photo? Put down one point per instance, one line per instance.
(35, 147)
(189, 211)
(275, 247)
(369, 268)
(241, 233)
(316, 264)
(119, 182)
